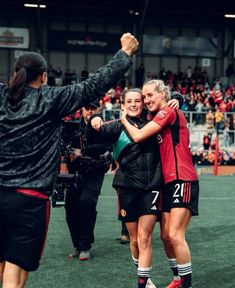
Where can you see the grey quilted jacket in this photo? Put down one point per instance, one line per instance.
(30, 131)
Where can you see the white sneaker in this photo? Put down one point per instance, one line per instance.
(85, 255)
(150, 284)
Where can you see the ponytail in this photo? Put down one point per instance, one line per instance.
(16, 86)
(28, 67)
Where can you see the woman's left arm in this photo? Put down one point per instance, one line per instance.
(139, 135)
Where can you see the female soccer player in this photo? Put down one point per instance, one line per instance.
(181, 189)
(137, 180)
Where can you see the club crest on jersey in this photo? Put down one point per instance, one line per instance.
(159, 139)
(162, 114)
(123, 213)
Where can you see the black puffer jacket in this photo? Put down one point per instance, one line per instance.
(139, 163)
(30, 131)
(95, 157)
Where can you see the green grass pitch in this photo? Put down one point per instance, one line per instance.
(211, 237)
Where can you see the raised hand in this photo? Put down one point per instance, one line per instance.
(129, 43)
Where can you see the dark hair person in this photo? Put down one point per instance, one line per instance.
(30, 125)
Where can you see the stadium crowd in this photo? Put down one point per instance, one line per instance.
(210, 103)
(201, 93)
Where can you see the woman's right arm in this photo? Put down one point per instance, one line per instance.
(107, 133)
(70, 98)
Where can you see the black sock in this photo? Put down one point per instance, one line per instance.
(186, 281)
(185, 272)
(174, 267)
(142, 281)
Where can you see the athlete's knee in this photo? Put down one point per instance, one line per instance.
(144, 241)
(165, 237)
(134, 242)
(175, 237)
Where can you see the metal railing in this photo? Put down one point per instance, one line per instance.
(197, 126)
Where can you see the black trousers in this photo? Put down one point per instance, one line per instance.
(80, 206)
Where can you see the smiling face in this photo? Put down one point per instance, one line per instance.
(133, 103)
(153, 99)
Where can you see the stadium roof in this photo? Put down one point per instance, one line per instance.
(127, 11)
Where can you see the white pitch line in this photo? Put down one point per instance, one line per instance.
(201, 198)
(216, 198)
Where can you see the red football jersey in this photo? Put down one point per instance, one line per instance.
(174, 145)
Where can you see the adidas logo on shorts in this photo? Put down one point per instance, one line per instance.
(176, 201)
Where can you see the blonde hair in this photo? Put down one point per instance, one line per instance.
(160, 87)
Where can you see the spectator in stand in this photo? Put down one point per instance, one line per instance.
(211, 100)
(108, 109)
(118, 91)
(84, 75)
(68, 77)
(180, 74)
(219, 120)
(211, 157)
(109, 95)
(51, 75)
(206, 141)
(112, 95)
(207, 88)
(191, 102)
(204, 160)
(73, 77)
(217, 84)
(117, 108)
(223, 106)
(210, 118)
(189, 72)
(207, 106)
(162, 74)
(231, 158)
(58, 77)
(218, 97)
(229, 104)
(199, 109)
(226, 137)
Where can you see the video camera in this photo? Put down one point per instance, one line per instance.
(65, 180)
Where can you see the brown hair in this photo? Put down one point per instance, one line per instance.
(129, 90)
(27, 68)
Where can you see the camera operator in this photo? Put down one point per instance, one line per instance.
(90, 162)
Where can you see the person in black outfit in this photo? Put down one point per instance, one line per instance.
(137, 179)
(90, 161)
(30, 118)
